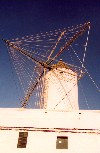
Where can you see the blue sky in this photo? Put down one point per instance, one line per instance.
(25, 17)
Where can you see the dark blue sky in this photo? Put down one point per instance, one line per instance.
(25, 17)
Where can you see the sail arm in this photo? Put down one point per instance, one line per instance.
(52, 51)
(25, 100)
(25, 53)
(71, 40)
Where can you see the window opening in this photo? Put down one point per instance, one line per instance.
(22, 140)
(62, 142)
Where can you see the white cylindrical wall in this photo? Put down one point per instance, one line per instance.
(61, 90)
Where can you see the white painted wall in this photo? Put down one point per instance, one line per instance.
(42, 142)
(15, 117)
(45, 142)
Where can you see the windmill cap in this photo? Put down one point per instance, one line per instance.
(60, 64)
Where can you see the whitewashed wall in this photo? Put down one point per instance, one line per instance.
(45, 142)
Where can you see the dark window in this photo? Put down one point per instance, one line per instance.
(62, 142)
(61, 71)
(22, 140)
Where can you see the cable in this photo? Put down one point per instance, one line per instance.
(85, 47)
(86, 70)
(86, 101)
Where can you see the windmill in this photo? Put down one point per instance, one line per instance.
(48, 65)
(59, 125)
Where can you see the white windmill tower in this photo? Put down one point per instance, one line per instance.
(61, 88)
